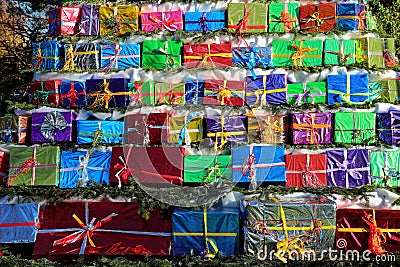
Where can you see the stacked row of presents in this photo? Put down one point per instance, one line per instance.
(94, 20)
(273, 229)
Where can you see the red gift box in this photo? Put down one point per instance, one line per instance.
(68, 19)
(318, 18)
(306, 170)
(207, 55)
(155, 165)
(223, 92)
(100, 228)
(146, 129)
(362, 229)
(4, 165)
(46, 92)
(119, 171)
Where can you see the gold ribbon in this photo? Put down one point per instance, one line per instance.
(223, 93)
(310, 127)
(298, 56)
(208, 57)
(261, 94)
(104, 97)
(40, 58)
(69, 62)
(223, 135)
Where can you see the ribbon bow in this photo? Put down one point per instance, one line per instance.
(72, 95)
(376, 237)
(69, 62)
(52, 121)
(352, 172)
(298, 56)
(103, 98)
(82, 168)
(213, 172)
(315, 17)
(123, 173)
(248, 167)
(42, 93)
(39, 57)
(287, 20)
(114, 58)
(164, 21)
(361, 17)
(307, 94)
(390, 58)
(310, 126)
(224, 94)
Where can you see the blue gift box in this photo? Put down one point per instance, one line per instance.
(75, 168)
(191, 235)
(53, 22)
(266, 90)
(351, 16)
(18, 222)
(108, 93)
(258, 164)
(350, 89)
(253, 57)
(73, 94)
(204, 21)
(111, 131)
(194, 92)
(47, 55)
(121, 56)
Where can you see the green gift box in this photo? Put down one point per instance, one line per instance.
(283, 17)
(188, 129)
(385, 167)
(161, 55)
(306, 93)
(371, 50)
(338, 52)
(247, 17)
(34, 166)
(297, 53)
(199, 169)
(355, 127)
(169, 93)
(389, 90)
(145, 93)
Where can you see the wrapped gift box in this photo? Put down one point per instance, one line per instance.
(53, 126)
(204, 21)
(318, 17)
(156, 165)
(67, 20)
(119, 171)
(19, 222)
(166, 20)
(69, 229)
(145, 129)
(194, 91)
(47, 56)
(8, 128)
(186, 130)
(73, 94)
(298, 226)
(348, 168)
(350, 89)
(251, 57)
(53, 31)
(266, 90)
(45, 92)
(207, 55)
(283, 17)
(305, 170)
(119, 19)
(376, 52)
(311, 128)
(90, 20)
(297, 53)
(258, 164)
(223, 92)
(120, 56)
(306, 93)
(145, 92)
(385, 168)
(4, 166)
(247, 17)
(351, 17)
(355, 127)
(267, 129)
(107, 93)
(161, 54)
(84, 166)
(207, 169)
(34, 166)
(360, 229)
(205, 232)
(227, 130)
(24, 129)
(389, 127)
(339, 52)
(389, 90)
(81, 56)
(169, 93)
(110, 131)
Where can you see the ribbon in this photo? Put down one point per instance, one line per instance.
(164, 22)
(224, 136)
(72, 94)
(52, 122)
(346, 96)
(261, 94)
(303, 97)
(342, 57)
(123, 173)
(298, 56)
(389, 173)
(103, 97)
(287, 20)
(88, 19)
(115, 58)
(135, 89)
(213, 173)
(194, 91)
(7, 124)
(184, 132)
(224, 94)
(310, 127)
(43, 94)
(207, 58)
(203, 22)
(70, 54)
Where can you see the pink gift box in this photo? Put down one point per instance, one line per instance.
(168, 20)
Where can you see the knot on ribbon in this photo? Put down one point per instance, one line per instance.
(82, 168)
(242, 25)
(52, 121)
(224, 94)
(315, 17)
(310, 178)
(123, 171)
(213, 173)
(362, 16)
(352, 172)
(164, 22)
(223, 140)
(114, 58)
(376, 236)
(298, 56)
(390, 58)
(40, 58)
(72, 95)
(287, 20)
(103, 97)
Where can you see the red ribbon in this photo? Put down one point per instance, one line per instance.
(248, 167)
(361, 17)
(72, 94)
(376, 237)
(23, 169)
(287, 20)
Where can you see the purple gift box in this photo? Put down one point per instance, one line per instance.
(311, 128)
(52, 126)
(389, 127)
(108, 93)
(225, 130)
(90, 23)
(348, 168)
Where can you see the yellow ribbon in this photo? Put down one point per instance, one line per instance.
(262, 93)
(223, 135)
(223, 93)
(88, 230)
(69, 62)
(208, 56)
(298, 56)
(104, 97)
(40, 58)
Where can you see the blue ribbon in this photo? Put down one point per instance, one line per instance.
(183, 131)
